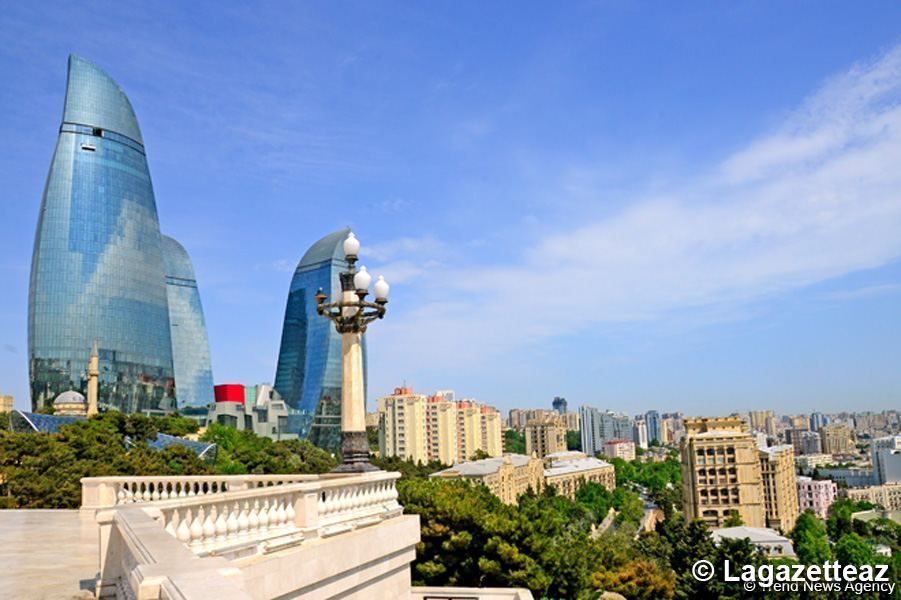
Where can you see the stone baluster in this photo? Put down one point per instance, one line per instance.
(171, 520)
(253, 519)
(221, 524)
(243, 522)
(290, 513)
(183, 532)
(196, 526)
(232, 521)
(209, 525)
(264, 515)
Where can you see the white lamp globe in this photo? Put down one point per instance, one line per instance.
(351, 245)
(381, 288)
(362, 279)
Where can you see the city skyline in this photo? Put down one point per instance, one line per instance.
(734, 225)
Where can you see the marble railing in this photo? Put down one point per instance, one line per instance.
(104, 492)
(267, 515)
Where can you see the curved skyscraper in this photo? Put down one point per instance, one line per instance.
(97, 271)
(190, 346)
(308, 376)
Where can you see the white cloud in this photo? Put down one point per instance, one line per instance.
(818, 198)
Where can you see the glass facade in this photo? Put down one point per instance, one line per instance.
(97, 270)
(190, 345)
(308, 376)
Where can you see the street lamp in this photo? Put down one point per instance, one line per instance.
(351, 315)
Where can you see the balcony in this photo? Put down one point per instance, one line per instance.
(253, 536)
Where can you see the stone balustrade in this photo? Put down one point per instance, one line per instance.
(104, 492)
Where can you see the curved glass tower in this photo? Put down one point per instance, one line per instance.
(97, 270)
(308, 376)
(190, 345)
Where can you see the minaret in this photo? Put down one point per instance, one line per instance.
(93, 374)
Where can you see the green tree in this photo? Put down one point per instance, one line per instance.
(514, 442)
(573, 440)
(851, 549)
(596, 499)
(733, 520)
(810, 540)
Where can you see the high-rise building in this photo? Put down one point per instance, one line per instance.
(721, 472)
(817, 420)
(640, 433)
(799, 422)
(426, 428)
(886, 456)
(652, 419)
(190, 345)
(808, 443)
(780, 489)
(545, 436)
(816, 495)
(97, 271)
(559, 404)
(308, 376)
(518, 419)
(598, 427)
(762, 420)
(6, 404)
(571, 420)
(836, 439)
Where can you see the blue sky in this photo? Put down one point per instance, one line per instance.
(633, 205)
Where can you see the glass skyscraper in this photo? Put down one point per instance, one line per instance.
(308, 376)
(190, 346)
(98, 270)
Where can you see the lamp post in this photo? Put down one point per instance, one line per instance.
(351, 314)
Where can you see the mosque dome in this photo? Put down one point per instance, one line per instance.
(69, 397)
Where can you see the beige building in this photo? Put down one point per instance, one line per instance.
(836, 439)
(887, 496)
(572, 421)
(545, 436)
(426, 428)
(762, 420)
(808, 462)
(507, 476)
(624, 449)
(780, 488)
(721, 472)
(568, 471)
(6, 404)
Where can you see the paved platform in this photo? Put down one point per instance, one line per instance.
(48, 554)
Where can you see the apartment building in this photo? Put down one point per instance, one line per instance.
(624, 449)
(887, 496)
(721, 472)
(816, 495)
(425, 428)
(545, 436)
(780, 488)
(836, 439)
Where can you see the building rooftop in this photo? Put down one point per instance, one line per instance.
(564, 467)
(27, 422)
(777, 449)
(486, 466)
(714, 433)
(757, 535)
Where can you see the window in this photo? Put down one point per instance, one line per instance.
(97, 132)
